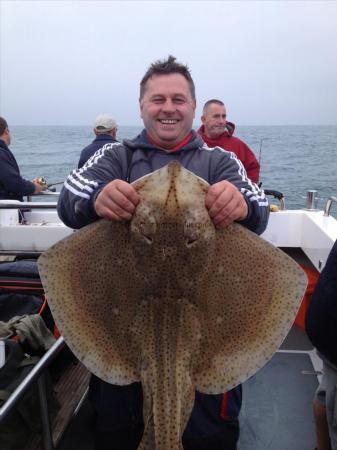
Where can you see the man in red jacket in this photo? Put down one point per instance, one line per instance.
(217, 132)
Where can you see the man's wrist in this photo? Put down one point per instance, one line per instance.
(93, 199)
(248, 211)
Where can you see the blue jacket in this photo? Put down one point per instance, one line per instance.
(96, 144)
(321, 318)
(121, 406)
(12, 185)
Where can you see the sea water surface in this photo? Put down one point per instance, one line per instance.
(293, 159)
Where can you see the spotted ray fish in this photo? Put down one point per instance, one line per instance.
(170, 301)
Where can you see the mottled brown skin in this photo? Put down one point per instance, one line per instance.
(178, 237)
(170, 301)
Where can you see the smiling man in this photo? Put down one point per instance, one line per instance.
(101, 189)
(217, 131)
(167, 108)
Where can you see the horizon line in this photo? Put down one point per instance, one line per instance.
(194, 126)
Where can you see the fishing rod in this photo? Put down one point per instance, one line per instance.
(260, 151)
(47, 186)
(272, 192)
(51, 186)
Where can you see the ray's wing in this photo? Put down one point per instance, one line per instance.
(86, 278)
(252, 297)
(94, 287)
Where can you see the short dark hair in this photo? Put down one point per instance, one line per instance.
(209, 102)
(3, 125)
(166, 67)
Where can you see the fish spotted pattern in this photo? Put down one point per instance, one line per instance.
(170, 301)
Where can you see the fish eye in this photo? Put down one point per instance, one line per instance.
(190, 241)
(191, 232)
(148, 239)
(143, 228)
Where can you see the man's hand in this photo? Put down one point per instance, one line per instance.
(117, 201)
(225, 204)
(38, 186)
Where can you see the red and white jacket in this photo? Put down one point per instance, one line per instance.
(233, 144)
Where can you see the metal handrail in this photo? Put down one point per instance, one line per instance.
(328, 205)
(36, 375)
(43, 193)
(282, 204)
(45, 360)
(278, 195)
(30, 205)
(46, 192)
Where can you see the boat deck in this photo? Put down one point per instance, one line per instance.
(277, 402)
(69, 391)
(276, 412)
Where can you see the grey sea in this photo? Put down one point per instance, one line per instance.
(293, 159)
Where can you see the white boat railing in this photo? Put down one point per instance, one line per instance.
(31, 201)
(30, 198)
(33, 227)
(30, 227)
(15, 204)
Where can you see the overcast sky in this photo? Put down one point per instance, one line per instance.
(271, 62)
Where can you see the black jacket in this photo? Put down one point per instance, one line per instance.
(96, 144)
(12, 185)
(321, 319)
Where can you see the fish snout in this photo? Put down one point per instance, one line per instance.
(168, 252)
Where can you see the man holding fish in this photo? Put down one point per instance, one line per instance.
(101, 189)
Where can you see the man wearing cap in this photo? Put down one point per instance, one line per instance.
(12, 185)
(105, 129)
